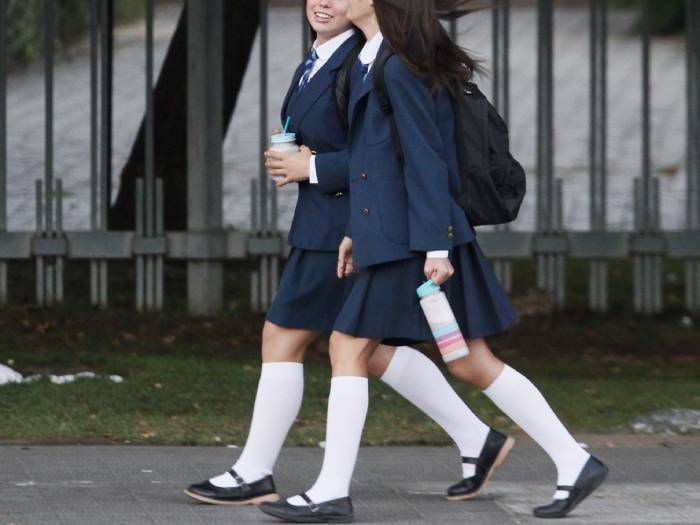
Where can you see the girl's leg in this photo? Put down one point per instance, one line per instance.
(420, 381)
(277, 402)
(520, 400)
(347, 409)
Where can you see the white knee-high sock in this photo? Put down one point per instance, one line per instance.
(277, 403)
(515, 395)
(420, 381)
(347, 409)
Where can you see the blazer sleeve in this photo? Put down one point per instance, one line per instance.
(332, 171)
(425, 171)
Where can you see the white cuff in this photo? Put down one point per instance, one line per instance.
(313, 178)
(438, 254)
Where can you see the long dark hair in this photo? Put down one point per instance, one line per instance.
(414, 31)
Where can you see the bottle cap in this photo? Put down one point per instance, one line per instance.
(427, 288)
(283, 138)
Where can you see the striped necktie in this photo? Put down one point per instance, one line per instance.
(364, 71)
(308, 66)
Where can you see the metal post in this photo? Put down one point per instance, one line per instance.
(692, 266)
(648, 282)
(501, 100)
(99, 142)
(264, 137)
(550, 267)
(598, 269)
(40, 282)
(3, 142)
(204, 151)
(140, 262)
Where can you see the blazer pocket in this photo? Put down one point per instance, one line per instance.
(393, 204)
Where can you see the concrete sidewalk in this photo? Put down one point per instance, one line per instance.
(652, 481)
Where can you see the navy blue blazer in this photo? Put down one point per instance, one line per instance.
(396, 214)
(321, 213)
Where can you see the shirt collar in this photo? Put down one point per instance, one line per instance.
(326, 50)
(371, 49)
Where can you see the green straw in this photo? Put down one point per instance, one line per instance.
(286, 124)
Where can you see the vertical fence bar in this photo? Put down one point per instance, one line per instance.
(160, 231)
(105, 173)
(38, 195)
(3, 142)
(274, 259)
(598, 269)
(501, 99)
(149, 181)
(254, 231)
(263, 116)
(648, 270)
(140, 286)
(264, 186)
(94, 108)
(550, 266)
(49, 37)
(58, 268)
(692, 266)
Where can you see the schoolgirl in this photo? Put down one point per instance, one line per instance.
(310, 295)
(404, 227)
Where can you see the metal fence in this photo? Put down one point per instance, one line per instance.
(206, 244)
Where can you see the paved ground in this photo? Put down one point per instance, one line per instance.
(650, 483)
(26, 140)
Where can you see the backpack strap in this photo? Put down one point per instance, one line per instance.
(385, 52)
(342, 84)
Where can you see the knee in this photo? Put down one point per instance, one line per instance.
(280, 344)
(380, 360)
(348, 352)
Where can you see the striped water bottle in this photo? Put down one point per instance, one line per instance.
(442, 322)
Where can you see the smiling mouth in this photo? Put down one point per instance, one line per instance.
(322, 17)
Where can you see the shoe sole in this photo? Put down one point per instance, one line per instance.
(318, 519)
(267, 498)
(502, 455)
(580, 498)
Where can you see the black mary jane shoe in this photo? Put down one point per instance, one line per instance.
(333, 511)
(254, 493)
(592, 475)
(493, 454)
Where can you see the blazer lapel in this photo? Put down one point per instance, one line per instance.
(292, 88)
(360, 90)
(300, 103)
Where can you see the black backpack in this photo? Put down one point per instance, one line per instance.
(493, 182)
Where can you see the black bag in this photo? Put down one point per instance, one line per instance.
(493, 182)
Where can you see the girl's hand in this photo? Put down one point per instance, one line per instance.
(345, 266)
(293, 167)
(438, 270)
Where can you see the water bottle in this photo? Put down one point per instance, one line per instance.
(442, 322)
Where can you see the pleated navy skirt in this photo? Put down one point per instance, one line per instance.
(309, 295)
(382, 302)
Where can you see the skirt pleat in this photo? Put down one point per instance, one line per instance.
(309, 295)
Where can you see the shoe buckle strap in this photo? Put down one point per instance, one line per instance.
(312, 506)
(568, 488)
(474, 461)
(241, 482)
